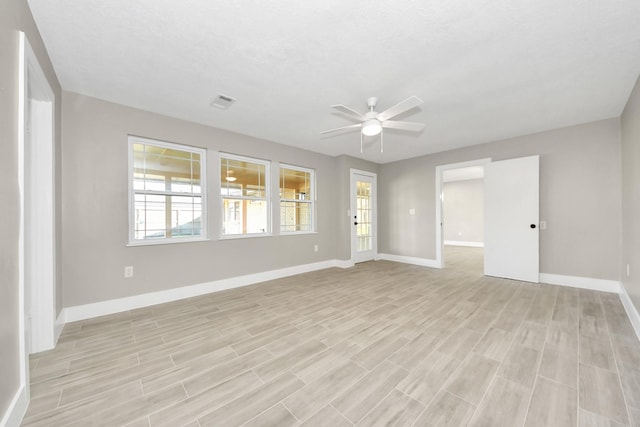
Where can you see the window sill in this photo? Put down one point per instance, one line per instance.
(165, 242)
(244, 236)
(296, 233)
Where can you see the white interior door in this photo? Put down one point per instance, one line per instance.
(511, 219)
(363, 216)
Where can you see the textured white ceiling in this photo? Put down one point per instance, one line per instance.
(486, 69)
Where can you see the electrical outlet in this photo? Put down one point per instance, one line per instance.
(315, 248)
(128, 271)
(412, 211)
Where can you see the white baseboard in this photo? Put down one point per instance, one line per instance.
(425, 262)
(632, 312)
(17, 409)
(343, 263)
(57, 327)
(602, 285)
(459, 243)
(102, 308)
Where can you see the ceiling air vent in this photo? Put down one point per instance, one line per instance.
(222, 101)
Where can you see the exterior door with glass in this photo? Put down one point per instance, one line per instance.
(363, 216)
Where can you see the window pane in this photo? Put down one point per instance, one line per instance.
(295, 184)
(364, 212)
(150, 216)
(165, 169)
(186, 213)
(296, 199)
(244, 216)
(295, 216)
(242, 178)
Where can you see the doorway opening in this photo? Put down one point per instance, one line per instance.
(460, 214)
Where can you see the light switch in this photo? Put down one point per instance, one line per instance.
(412, 211)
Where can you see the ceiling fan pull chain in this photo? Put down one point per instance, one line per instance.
(361, 141)
(382, 140)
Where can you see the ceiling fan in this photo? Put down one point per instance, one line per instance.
(372, 123)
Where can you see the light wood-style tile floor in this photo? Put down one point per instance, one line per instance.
(378, 344)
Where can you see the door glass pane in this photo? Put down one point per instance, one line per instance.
(363, 206)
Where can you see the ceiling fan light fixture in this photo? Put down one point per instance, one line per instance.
(371, 127)
(230, 176)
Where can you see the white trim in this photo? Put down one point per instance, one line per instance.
(23, 334)
(602, 285)
(17, 409)
(460, 243)
(87, 311)
(343, 263)
(439, 263)
(37, 146)
(425, 262)
(632, 312)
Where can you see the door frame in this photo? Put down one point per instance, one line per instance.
(438, 194)
(352, 197)
(36, 177)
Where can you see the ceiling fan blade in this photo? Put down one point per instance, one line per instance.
(412, 126)
(399, 108)
(353, 114)
(342, 128)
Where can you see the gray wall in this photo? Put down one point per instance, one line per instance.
(95, 210)
(14, 16)
(463, 211)
(579, 198)
(630, 121)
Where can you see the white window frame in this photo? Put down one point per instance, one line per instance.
(203, 186)
(267, 196)
(311, 201)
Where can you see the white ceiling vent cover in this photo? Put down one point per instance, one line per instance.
(222, 101)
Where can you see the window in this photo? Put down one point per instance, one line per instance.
(296, 199)
(244, 188)
(167, 192)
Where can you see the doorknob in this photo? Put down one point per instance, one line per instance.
(532, 226)
(355, 223)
